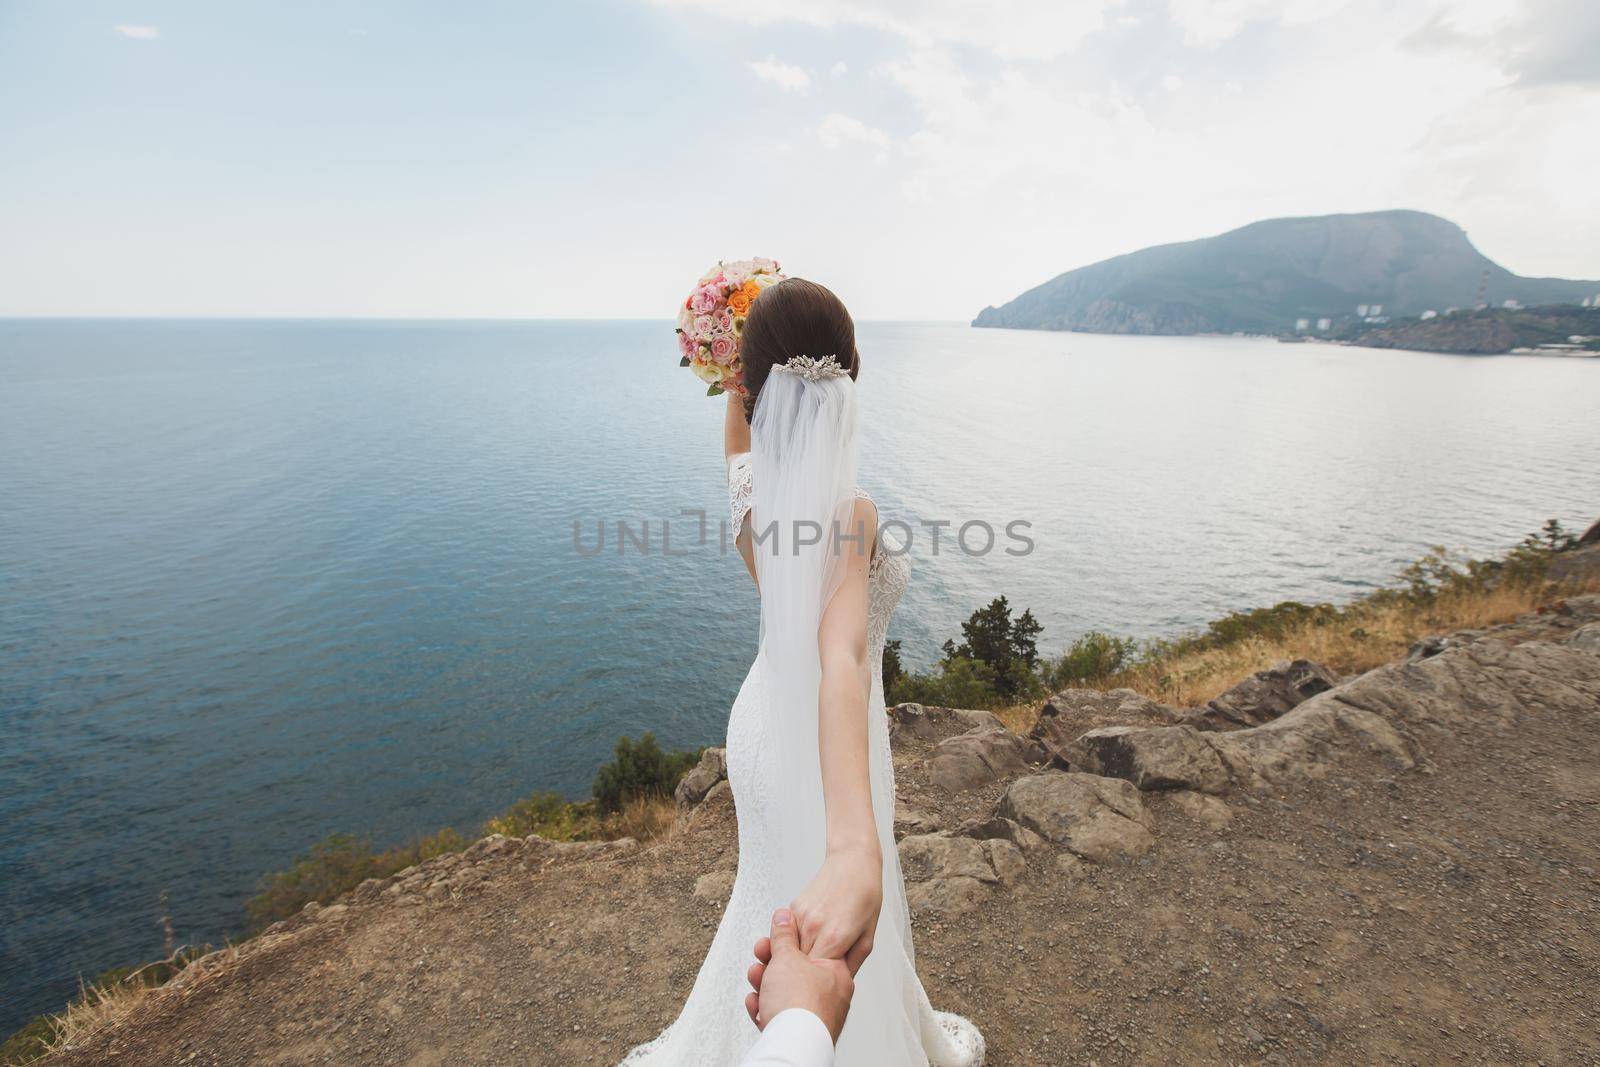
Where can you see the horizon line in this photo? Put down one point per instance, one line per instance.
(397, 318)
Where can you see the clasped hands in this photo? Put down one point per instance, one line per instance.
(818, 944)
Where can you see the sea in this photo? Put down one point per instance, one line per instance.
(266, 580)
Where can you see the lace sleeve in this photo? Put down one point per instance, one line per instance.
(741, 487)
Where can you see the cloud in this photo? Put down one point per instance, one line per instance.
(139, 33)
(1537, 43)
(838, 70)
(1011, 29)
(841, 131)
(1210, 22)
(785, 76)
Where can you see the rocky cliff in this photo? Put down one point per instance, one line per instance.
(1399, 866)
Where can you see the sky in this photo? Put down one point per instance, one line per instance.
(590, 160)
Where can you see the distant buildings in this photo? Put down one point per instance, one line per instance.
(1512, 304)
(1324, 324)
(1302, 325)
(1430, 314)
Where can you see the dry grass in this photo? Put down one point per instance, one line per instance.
(1367, 636)
(106, 1003)
(93, 1009)
(1363, 639)
(1018, 718)
(642, 818)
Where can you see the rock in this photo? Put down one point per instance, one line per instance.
(1428, 646)
(1157, 757)
(1574, 565)
(1208, 811)
(1096, 818)
(332, 912)
(1591, 536)
(1006, 860)
(493, 845)
(925, 857)
(1264, 696)
(1587, 638)
(946, 896)
(1154, 757)
(1004, 829)
(951, 874)
(1071, 712)
(712, 768)
(934, 724)
(976, 758)
(1379, 715)
(909, 820)
(714, 885)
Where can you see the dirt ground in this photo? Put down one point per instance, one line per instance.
(1447, 915)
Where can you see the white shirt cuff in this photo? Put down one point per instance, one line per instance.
(795, 1038)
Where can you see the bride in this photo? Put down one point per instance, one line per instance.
(808, 743)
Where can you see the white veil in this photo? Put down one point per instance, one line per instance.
(803, 450)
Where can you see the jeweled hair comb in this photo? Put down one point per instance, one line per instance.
(813, 370)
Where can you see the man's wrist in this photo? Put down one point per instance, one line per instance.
(800, 1025)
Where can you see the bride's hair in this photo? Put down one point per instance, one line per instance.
(795, 317)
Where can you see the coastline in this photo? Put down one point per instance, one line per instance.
(650, 810)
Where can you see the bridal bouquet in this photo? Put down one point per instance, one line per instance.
(712, 318)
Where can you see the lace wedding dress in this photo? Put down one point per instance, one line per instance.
(891, 1022)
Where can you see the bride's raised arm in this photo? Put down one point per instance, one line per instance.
(735, 428)
(837, 913)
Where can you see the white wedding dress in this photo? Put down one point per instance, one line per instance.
(891, 1022)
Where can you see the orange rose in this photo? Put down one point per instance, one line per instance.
(741, 298)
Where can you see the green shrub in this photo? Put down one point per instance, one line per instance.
(894, 671)
(640, 769)
(547, 814)
(956, 683)
(1008, 647)
(1094, 657)
(1271, 623)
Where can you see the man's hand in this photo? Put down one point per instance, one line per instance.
(784, 977)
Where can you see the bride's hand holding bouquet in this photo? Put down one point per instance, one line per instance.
(713, 317)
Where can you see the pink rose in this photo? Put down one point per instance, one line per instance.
(704, 326)
(705, 299)
(722, 349)
(687, 346)
(722, 323)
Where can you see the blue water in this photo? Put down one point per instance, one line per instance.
(263, 581)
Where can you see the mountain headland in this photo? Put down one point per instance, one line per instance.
(1273, 276)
